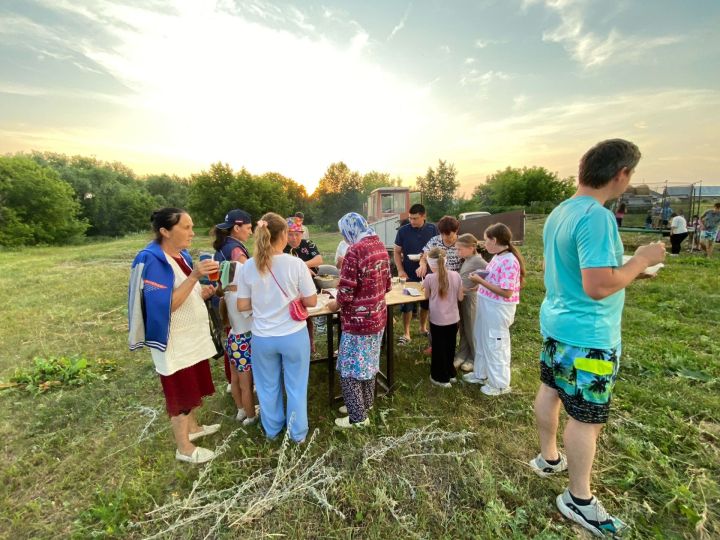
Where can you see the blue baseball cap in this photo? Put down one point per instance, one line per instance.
(235, 217)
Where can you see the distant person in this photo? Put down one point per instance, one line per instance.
(711, 224)
(472, 261)
(229, 244)
(678, 232)
(656, 216)
(270, 281)
(696, 225)
(580, 322)
(167, 314)
(665, 214)
(410, 241)
(498, 296)
(620, 213)
(649, 220)
(444, 290)
(364, 280)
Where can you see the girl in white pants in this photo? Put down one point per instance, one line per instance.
(498, 296)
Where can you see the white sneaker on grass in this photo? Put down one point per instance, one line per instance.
(492, 391)
(199, 455)
(592, 517)
(344, 423)
(472, 379)
(342, 409)
(440, 384)
(240, 416)
(250, 420)
(545, 469)
(204, 430)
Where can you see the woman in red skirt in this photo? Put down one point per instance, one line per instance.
(166, 310)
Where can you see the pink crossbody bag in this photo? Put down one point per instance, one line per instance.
(298, 311)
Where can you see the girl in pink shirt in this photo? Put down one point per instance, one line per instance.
(444, 290)
(498, 296)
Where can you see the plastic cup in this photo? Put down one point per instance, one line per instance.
(214, 276)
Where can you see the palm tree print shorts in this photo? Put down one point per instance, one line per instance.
(584, 378)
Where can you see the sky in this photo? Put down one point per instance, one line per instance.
(172, 86)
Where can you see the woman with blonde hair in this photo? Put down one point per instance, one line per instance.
(271, 282)
(444, 290)
(472, 262)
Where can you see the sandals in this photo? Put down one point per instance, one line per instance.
(402, 340)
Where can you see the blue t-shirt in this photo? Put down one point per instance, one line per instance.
(412, 241)
(580, 233)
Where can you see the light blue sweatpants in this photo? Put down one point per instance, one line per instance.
(275, 359)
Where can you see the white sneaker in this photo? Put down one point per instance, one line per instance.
(249, 421)
(492, 391)
(206, 430)
(240, 415)
(228, 389)
(199, 455)
(344, 422)
(342, 409)
(544, 469)
(453, 380)
(592, 516)
(472, 379)
(440, 384)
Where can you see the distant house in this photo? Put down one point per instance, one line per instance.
(683, 193)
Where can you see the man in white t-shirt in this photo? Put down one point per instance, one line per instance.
(678, 232)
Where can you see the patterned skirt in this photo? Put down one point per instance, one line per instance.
(359, 355)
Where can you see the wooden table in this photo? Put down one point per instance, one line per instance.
(386, 379)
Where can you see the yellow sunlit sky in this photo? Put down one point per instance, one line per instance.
(173, 86)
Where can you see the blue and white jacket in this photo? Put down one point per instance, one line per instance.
(150, 298)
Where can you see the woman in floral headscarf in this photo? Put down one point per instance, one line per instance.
(364, 280)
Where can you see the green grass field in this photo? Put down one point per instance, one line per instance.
(95, 460)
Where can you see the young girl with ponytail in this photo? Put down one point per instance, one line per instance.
(270, 281)
(498, 296)
(444, 290)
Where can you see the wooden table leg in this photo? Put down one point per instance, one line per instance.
(330, 359)
(389, 350)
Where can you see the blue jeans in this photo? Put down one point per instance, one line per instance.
(274, 359)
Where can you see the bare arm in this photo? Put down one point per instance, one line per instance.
(505, 293)
(309, 301)
(397, 257)
(202, 268)
(244, 304)
(599, 283)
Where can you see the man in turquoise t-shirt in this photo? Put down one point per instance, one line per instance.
(580, 320)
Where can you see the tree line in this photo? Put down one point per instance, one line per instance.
(50, 198)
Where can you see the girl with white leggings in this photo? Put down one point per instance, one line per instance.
(498, 295)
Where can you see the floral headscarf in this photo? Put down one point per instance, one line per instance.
(354, 228)
(294, 225)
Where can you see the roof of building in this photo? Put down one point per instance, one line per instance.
(685, 191)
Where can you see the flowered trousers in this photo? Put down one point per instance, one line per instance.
(358, 396)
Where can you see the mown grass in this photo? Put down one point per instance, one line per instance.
(91, 462)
